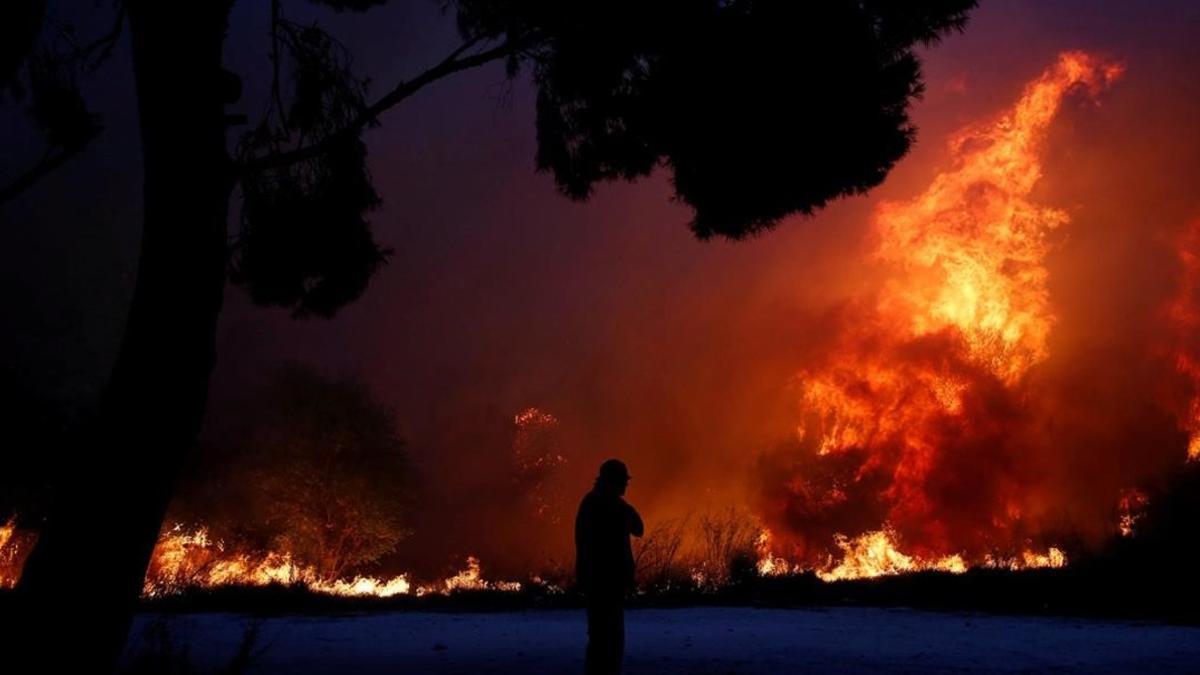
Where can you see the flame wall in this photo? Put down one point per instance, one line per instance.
(922, 408)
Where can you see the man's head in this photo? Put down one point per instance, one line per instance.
(613, 476)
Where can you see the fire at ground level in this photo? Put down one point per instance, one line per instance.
(691, 640)
(187, 560)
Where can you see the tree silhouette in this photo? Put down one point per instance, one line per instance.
(757, 108)
(321, 459)
(47, 74)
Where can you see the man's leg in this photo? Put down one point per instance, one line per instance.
(606, 636)
(618, 649)
(591, 664)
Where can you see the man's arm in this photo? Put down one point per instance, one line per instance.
(636, 527)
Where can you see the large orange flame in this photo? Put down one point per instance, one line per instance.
(918, 368)
(969, 252)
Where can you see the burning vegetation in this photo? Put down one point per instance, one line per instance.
(14, 547)
(923, 418)
(186, 559)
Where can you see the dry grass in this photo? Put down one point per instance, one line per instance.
(702, 553)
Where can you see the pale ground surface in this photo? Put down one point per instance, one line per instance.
(707, 640)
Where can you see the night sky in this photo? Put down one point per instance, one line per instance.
(673, 353)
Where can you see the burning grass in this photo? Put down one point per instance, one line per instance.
(186, 558)
(723, 561)
(722, 548)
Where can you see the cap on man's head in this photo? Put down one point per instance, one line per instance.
(614, 470)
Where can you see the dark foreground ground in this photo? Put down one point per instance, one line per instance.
(701, 640)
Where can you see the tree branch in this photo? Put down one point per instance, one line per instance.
(48, 163)
(105, 43)
(83, 54)
(91, 56)
(276, 57)
(453, 63)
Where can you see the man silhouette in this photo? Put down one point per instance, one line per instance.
(604, 564)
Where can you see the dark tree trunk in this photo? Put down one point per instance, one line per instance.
(81, 584)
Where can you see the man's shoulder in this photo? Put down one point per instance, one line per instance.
(589, 500)
(601, 502)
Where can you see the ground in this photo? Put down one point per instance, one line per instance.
(708, 640)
